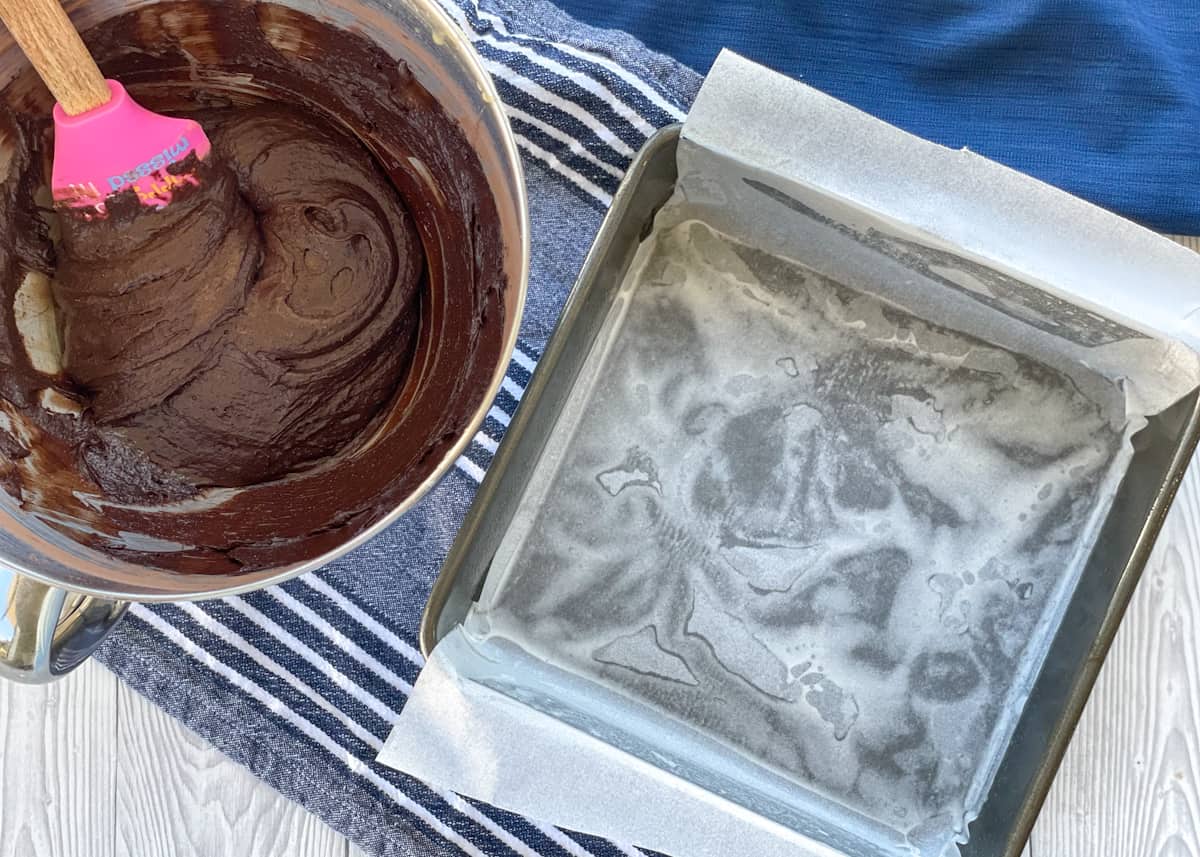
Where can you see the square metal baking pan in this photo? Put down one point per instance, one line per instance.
(1162, 451)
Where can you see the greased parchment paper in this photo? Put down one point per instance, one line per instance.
(803, 533)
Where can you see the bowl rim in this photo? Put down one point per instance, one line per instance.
(451, 39)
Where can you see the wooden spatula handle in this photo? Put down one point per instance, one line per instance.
(57, 53)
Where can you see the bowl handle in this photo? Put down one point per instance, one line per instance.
(45, 632)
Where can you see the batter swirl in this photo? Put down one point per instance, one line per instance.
(256, 324)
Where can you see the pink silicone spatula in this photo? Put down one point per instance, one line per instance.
(104, 141)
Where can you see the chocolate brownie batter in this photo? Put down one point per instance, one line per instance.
(256, 324)
(268, 365)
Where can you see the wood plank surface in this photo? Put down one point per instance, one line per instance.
(58, 766)
(1130, 783)
(177, 795)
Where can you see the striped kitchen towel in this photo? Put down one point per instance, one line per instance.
(302, 682)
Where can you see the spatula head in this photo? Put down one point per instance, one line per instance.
(121, 146)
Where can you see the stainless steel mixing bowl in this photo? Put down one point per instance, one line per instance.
(58, 599)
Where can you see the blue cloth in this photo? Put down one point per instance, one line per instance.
(302, 682)
(1099, 97)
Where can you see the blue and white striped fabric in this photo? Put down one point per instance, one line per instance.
(302, 682)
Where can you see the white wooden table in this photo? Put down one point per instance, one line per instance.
(90, 769)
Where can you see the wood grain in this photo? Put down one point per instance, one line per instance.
(56, 52)
(58, 765)
(176, 795)
(1130, 783)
